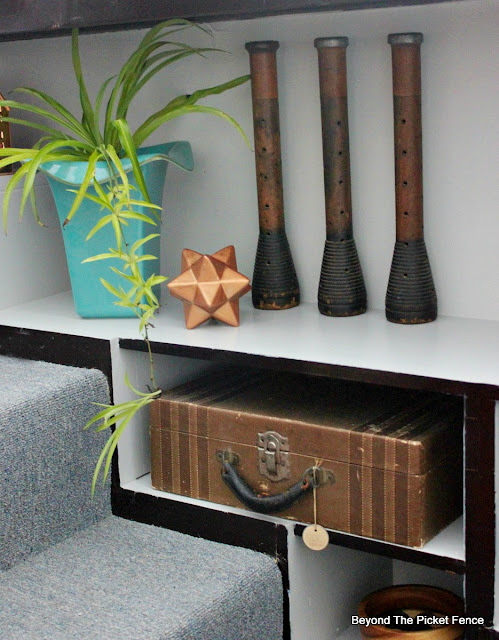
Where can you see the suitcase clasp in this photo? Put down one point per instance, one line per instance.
(273, 459)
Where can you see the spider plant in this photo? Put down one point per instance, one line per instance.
(103, 133)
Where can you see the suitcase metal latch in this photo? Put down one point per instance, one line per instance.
(273, 459)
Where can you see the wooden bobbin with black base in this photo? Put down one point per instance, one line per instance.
(410, 296)
(342, 291)
(275, 284)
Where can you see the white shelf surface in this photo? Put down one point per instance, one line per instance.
(456, 349)
(352, 633)
(449, 543)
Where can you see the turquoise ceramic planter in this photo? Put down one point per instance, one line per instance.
(91, 299)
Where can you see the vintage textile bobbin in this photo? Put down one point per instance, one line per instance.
(342, 291)
(210, 287)
(410, 295)
(275, 284)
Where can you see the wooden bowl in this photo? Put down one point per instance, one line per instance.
(413, 600)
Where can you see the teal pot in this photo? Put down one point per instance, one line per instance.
(91, 298)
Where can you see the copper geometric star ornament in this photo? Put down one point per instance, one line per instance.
(210, 287)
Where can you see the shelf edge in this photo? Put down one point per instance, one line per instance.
(406, 554)
(357, 374)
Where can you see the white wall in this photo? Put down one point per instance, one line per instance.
(216, 205)
(32, 260)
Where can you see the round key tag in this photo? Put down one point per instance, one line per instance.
(315, 537)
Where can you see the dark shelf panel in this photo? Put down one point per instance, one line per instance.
(392, 551)
(24, 19)
(74, 351)
(357, 374)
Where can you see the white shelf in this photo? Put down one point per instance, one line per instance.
(455, 349)
(449, 543)
(352, 633)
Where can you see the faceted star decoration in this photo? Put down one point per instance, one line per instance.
(210, 287)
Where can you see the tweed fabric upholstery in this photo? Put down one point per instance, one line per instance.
(120, 580)
(46, 459)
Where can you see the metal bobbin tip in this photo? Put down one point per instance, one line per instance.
(333, 41)
(405, 38)
(262, 46)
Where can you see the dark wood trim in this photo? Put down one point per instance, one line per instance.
(59, 348)
(23, 19)
(219, 526)
(488, 634)
(356, 374)
(380, 548)
(480, 506)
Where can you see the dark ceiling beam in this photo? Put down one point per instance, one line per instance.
(26, 19)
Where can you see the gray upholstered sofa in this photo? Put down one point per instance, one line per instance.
(70, 570)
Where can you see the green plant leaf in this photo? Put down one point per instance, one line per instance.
(155, 31)
(142, 394)
(110, 288)
(11, 152)
(71, 121)
(34, 208)
(5, 162)
(220, 88)
(118, 231)
(46, 114)
(100, 96)
(104, 197)
(130, 279)
(98, 465)
(22, 172)
(54, 133)
(103, 202)
(145, 319)
(100, 256)
(99, 416)
(105, 220)
(119, 415)
(116, 436)
(143, 203)
(116, 164)
(123, 84)
(145, 257)
(131, 152)
(134, 215)
(42, 156)
(161, 117)
(170, 59)
(131, 77)
(88, 118)
(138, 243)
(82, 191)
(110, 413)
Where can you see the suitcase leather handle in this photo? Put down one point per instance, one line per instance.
(270, 504)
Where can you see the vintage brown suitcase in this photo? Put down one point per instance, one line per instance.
(390, 459)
